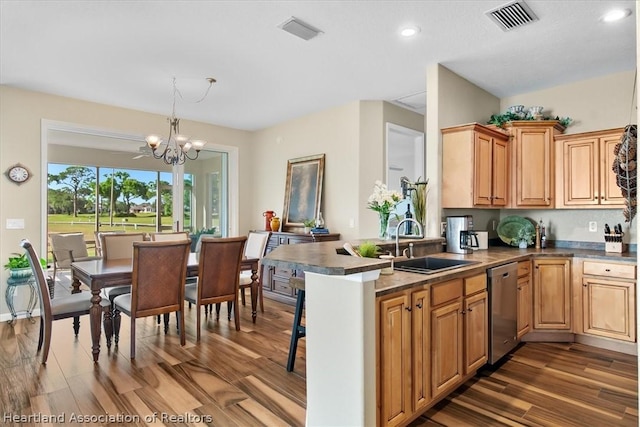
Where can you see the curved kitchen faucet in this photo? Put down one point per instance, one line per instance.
(419, 236)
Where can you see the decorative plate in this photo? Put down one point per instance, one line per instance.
(512, 227)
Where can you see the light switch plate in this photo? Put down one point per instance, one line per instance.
(15, 224)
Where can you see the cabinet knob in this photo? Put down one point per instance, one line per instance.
(419, 305)
(463, 312)
(469, 310)
(607, 270)
(408, 308)
(585, 285)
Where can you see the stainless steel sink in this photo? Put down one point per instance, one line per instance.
(430, 265)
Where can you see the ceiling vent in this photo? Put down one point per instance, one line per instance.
(416, 102)
(299, 28)
(512, 15)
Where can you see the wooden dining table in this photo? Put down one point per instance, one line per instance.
(98, 274)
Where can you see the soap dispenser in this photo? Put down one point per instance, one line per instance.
(408, 226)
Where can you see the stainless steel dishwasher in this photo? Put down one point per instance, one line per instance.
(503, 296)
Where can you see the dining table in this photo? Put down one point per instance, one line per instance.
(99, 273)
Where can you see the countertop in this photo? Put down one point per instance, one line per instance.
(326, 258)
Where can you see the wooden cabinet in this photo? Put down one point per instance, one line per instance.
(475, 167)
(276, 281)
(447, 369)
(583, 170)
(524, 301)
(533, 162)
(475, 323)
(608, 298)
(551, 294)
(404, 376)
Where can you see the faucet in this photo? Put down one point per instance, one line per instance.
(420, 234)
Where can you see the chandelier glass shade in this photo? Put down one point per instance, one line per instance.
(177, 148)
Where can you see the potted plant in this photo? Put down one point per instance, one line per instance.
(525, 238)
(368, 250)
(19, 267)
(308, 224)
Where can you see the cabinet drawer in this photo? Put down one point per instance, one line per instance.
(445, 292)
(284, 272)
(282, 287)
(475, 284)
(524, 268)
(609, 269)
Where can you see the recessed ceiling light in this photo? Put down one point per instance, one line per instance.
(616, 15)
(409, 31)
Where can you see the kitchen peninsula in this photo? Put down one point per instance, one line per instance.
(342, 338)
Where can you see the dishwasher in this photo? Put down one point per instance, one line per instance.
(503, 296)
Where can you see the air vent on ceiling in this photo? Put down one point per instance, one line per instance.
(299, 28)
(512, 15)
(416, 102)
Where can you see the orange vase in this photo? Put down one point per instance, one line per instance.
(275, 224)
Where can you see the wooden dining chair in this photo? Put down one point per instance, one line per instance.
(67, 248)
(74, 305)
(218, 276)
(256, 247)
(158, 284)
(118, 246)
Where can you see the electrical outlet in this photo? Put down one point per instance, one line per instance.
(593, 226)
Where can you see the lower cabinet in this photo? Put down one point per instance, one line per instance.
(552, 294)
(430, 339)
(524, 301)
(609, 300)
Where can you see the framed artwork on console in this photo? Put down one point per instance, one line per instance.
(303, 191)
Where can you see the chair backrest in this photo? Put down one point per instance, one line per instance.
(159, 273)
(219, 268)
(120, 245)
(256, 244)
(171, 236)
(99, 235)
(68, 246)
(39, 276)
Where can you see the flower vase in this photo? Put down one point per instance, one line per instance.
(384, 224)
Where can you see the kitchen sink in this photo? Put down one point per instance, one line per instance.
(430, 265)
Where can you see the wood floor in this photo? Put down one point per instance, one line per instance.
(239, 379)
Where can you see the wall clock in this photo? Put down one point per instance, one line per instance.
(18, 173)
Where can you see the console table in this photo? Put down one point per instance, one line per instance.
(276, 279)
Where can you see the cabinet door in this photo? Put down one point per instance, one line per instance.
(533, 165)
(610, 193)
(395, 360)
(421, 375)
(551, 294)
(580, 172)
(524, 304)
(446, 345)
(609, 308)
(500, 176)
(483, 170)
(476, 331)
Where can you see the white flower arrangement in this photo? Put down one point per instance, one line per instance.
(383, 200)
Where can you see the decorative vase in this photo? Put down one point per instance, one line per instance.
(275, 224)
(384, 224)
(307, 230)
(523, 244)
(20, 273)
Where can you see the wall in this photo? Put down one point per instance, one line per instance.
(21, 113)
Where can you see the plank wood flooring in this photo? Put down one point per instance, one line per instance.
(239, 379)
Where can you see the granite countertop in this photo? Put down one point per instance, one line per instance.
(327, 258)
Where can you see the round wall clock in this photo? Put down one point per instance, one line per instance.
(18, 173)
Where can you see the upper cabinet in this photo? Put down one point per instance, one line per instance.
(475, 167)
(585, 178)
(533, 162)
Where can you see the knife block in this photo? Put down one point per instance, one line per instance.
(617, 247)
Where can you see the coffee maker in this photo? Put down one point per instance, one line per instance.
(461, 239)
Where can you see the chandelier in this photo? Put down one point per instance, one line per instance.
(178, 146)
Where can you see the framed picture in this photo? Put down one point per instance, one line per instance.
(303, 191)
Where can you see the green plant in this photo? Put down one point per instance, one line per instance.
(21, 261)
(501, 120)
(309, 222)
(523, 234)
(368, 250)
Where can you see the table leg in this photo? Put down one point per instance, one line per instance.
(8, 296)
(75, 284)
(94, 314)
(254, 293)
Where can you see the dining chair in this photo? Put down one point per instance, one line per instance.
(158, 284)
(73, 305)
(218, 276)
(169, 236)
(98, 236)
(118, 246)
(256, 247)
(67, 248)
